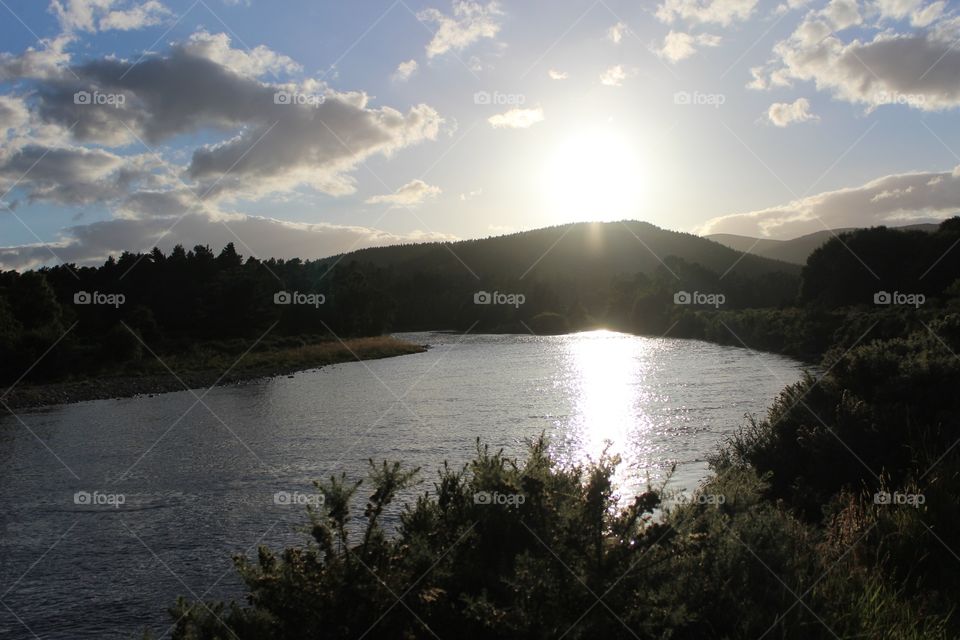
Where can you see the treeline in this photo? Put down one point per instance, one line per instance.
(547, 281)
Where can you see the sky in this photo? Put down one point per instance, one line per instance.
(306, 128)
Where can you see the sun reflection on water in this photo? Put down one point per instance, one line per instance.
(606, 379)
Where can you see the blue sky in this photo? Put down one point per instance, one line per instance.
(408, 120)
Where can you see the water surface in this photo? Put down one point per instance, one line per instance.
(198, 480)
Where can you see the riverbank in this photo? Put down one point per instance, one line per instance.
(205, 368)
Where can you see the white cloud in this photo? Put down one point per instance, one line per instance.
(405, 70)
(722, 12)
(105, 15)
(678, 45)
(916, 68)
(410, 194)
(274, 146)
(245, 62)
(616, 32)
(557, 75)
(614, 76)
(920, 14)
(470, 22)
(44, 62)
(842, 14)
(517, 118)
(783, 114)
(470, 195)
(892, 199)
(148, 14)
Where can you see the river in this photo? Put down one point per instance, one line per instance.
(110, 509)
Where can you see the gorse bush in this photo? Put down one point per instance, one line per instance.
(473, 559)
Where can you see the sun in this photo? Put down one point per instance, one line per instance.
(593, 176)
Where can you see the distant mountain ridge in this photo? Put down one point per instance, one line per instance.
(796, 250)
(609, 249)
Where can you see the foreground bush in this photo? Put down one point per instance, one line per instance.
(555, 553)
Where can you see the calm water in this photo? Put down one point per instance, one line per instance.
(199, 484)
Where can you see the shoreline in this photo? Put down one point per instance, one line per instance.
(130, 385)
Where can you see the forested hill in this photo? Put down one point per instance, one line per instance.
(619, 275)
(572, 251)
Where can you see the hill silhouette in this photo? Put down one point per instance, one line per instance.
(795, 250)
(576, 250)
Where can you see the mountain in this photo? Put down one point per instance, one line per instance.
(797, 250)
(572, 251)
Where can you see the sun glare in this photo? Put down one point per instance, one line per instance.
(593, 176)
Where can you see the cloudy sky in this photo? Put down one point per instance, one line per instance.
(307, 127)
